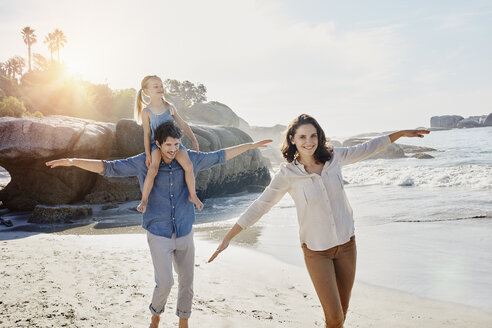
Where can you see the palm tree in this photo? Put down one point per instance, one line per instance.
(3, 68)
(9, 67)
(60, 39)
(50, 41)
(40, 62)
(17, 64)
(14, 66)
(29, 38)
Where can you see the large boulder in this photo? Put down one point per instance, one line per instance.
(213, 113)
(276, 133)
(27, 143)
(488, 120)
(243, 172)
(59, 214)
(392, 151)
(445, 121)
(415, 149)
(470, 122)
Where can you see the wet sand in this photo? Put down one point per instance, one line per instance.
(107, 281)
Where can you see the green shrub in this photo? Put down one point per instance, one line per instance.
(12, 106)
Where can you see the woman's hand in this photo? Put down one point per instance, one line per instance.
(222, 246)
(225, 242)
(148, 160)
(60, 162)
(408, 133)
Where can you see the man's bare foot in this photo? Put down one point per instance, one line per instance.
(155, 321)
(142, 206)
(183, 323)
(195, 200)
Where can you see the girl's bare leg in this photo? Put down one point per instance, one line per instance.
(155, 321)
(185, 162)
(149, 179)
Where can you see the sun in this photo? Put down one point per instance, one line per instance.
(75, 67)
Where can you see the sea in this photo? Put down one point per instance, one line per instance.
(423, 226)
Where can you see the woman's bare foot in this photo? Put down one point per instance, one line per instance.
(142, 206)
(155, 321)
(195, 200)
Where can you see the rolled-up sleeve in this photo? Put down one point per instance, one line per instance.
(349, 155)
(123, 167)
(270, 196)
(203, 161)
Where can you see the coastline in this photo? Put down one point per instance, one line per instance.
(107, 280)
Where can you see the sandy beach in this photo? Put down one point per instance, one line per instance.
(55, 280)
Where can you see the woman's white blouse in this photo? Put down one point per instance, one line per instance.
(323, 211)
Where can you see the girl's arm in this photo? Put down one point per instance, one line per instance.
(186, 128)
(147, 137)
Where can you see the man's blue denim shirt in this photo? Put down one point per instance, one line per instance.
(168, 210)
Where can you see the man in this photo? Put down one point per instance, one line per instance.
(169, 216)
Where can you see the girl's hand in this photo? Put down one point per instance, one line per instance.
(60, 162)
(195, 144)
(223, 245)
(148, 160)
(260, 144)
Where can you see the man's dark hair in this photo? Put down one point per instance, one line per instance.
(168, 129)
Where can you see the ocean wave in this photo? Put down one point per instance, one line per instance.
(446, 219)
(468, 176)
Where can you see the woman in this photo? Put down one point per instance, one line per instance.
(312, 176)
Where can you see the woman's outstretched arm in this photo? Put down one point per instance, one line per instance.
(349, 155)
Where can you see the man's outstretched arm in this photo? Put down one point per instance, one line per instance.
(92, 165)
(232, 152)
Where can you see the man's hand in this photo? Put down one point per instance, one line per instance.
(260, 144)
(60, 162)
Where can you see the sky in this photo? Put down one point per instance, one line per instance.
(356, 66)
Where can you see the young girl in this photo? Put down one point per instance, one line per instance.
(156, 112)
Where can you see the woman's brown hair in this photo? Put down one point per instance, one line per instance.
(322, 154)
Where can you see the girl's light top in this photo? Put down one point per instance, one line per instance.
(323, 211)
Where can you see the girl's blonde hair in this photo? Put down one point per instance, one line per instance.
(139, 104)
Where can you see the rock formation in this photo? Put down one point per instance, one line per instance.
(213, 113)
(468, 123)
(455, 121)
(488, 120)
(27, 143)
(445, 121)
